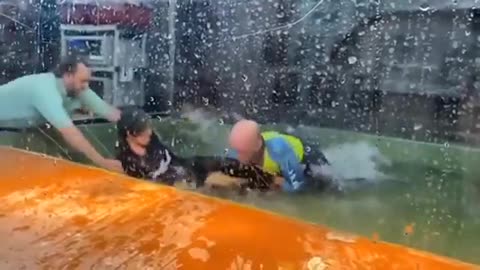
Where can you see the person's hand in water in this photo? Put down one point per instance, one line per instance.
(278, 182)
(111, 164)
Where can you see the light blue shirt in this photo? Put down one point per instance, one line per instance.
(35, 99)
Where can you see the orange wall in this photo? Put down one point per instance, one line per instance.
(59, 215)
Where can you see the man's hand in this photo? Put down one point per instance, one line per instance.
(111, 164)
(114, 115)
(278, 182)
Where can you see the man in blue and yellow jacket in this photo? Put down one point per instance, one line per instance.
(279, 154)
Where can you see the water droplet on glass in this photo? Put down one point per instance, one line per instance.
(205, 101)
(290, 129)
(352, 60)
(424, 7)
(417, 127)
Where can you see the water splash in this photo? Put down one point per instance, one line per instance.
(353, 161)
(207, 130)
(425, 7)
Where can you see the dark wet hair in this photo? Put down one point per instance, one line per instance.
(68, 64)
(133, 121)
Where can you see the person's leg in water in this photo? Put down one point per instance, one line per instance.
(317, 170)
(321, 176)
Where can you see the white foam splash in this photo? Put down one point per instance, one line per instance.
(358, 160)
(208, 122)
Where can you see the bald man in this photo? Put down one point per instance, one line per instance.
(279, 154)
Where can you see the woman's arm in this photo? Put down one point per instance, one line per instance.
(255, 177)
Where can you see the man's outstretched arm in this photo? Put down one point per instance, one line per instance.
(98, 106)
(52, 110)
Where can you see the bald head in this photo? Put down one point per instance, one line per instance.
(245, 138)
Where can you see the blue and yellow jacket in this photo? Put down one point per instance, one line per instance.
(283, 156)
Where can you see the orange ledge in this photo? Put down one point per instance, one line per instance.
(56, 214)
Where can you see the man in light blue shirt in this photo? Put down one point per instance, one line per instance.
(51, 97)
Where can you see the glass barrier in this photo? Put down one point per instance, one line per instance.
(387, 90)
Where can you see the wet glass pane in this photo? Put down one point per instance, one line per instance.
(387, 90)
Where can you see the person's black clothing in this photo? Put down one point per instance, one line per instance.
(162, 165)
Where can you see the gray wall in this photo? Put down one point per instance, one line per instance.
(399, 70)
(391, 68)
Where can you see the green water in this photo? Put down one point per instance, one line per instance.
(434, 187)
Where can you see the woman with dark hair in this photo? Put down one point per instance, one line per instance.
(144, 156)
